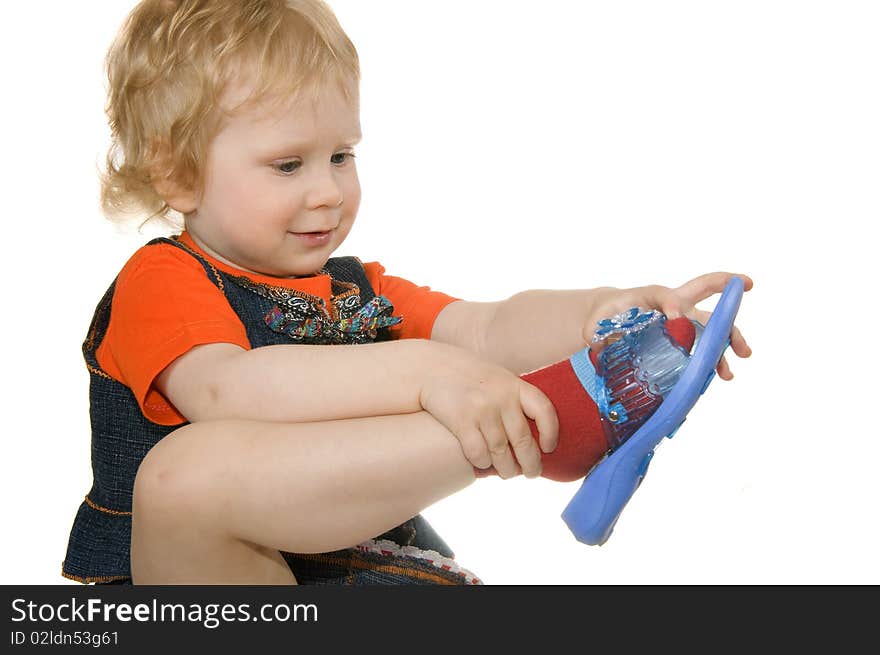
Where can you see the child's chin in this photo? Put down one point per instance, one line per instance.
(314, 267)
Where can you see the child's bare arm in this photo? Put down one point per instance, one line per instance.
(299, 383)
(482, 404)
(528, 330)
(537, 327)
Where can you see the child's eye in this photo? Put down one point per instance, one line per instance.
(288, 167)
(341, 157)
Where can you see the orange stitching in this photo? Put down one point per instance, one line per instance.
(87, 580)
(200, 258)
(383, 568)
(349, 289)
(266, 290)
(98, 371)
(248, 283)
(352, 291)
(333, 313)
(91, 339)
(115, 512)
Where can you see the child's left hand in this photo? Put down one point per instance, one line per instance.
(674, 303)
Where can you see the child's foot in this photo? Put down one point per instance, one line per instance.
(603, 394)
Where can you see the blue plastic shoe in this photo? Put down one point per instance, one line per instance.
(679, 380)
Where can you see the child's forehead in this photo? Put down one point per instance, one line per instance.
(324, 106)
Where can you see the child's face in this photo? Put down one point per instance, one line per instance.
(270, 179)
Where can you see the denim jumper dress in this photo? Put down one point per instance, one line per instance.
(99, 547)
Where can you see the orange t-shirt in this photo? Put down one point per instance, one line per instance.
(164, 304)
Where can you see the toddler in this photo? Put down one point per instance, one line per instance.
(262, 412)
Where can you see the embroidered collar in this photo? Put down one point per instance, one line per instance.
(302, 316)
(306, 317)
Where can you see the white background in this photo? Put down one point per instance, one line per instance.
(516, 145)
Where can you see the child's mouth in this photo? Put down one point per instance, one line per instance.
(314, 238)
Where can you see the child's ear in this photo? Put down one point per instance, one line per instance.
(178, 197)
(175, 196)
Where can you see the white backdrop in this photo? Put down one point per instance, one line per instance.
(515, 145)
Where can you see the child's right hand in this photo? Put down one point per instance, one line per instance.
(485, 406)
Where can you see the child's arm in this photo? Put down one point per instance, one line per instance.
(299, 383)
(534, 328)
(484, 405)
(522, 333)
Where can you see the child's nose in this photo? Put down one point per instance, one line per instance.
(325, 190)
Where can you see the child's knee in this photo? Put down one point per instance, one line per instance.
(169, 485)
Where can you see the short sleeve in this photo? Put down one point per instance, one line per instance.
(418, 305)
(164, 304)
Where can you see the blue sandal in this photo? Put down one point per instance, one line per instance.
(594, 510)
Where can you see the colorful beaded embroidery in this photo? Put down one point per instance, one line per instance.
(374, 315)
(306, 319)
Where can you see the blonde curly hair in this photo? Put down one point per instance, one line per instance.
(168, 68)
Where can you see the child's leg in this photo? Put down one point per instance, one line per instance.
(214, 502)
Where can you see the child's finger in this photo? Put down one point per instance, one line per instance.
(474, 447)
(701, 316)
(525, 449)
(661, 298)
(537, 406)
(499, 450)
(738, 343)
(705, 286)
(723, 370)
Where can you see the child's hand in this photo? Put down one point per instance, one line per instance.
(674, 303)
(484, 406)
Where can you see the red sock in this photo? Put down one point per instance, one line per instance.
(582, 440)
